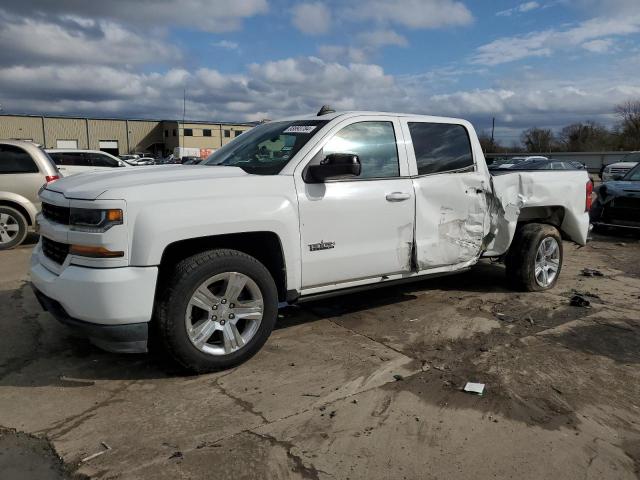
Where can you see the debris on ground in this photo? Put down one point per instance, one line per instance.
(477, 388)
(591, 272)
(529, 319)
(579, 301)
(503, 317)
(97, 454)
(398, 377)
(177, 454)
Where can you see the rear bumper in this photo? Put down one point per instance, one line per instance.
(130, 338)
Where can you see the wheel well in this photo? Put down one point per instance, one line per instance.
(20, 208)
(264, 246)
(550, 215)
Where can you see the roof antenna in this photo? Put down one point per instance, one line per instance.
(325, 110)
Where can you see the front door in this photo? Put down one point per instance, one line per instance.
(360, 227)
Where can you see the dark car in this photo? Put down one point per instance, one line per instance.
(618, 202)
(547, 164)
(191, 160)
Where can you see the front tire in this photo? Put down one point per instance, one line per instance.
(534, 260)
(217, 310)
(13, 228)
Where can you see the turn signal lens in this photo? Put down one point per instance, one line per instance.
(114, 216)
(52, 178)
(94, 252)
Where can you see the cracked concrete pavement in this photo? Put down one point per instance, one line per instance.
(361, 386)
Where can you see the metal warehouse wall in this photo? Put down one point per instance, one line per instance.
(21, 128)
(108, 130)
(65, 129)
(143, 134)
(131, 135)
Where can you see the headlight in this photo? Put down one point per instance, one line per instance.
(95, 221)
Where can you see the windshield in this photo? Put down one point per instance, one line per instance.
(633, 175)
(267, 148)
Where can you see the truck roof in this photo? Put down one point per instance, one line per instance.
(355, 113)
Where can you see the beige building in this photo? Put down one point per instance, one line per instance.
(120, 136)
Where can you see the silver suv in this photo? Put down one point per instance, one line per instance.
(24, 168)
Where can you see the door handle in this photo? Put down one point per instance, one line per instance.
(397, 197)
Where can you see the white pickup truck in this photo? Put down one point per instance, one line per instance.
(203, 256)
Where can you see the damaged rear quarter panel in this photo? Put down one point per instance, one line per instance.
(514, 192)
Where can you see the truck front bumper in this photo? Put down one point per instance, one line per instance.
(111, 306)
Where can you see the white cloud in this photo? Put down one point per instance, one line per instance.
(312, 18)
(341, 53)
(599, 46)
(207, 15)
(412, 13)
(381, 38)
(78, 41)
(522, 8)
(227, 45)
(544, 43)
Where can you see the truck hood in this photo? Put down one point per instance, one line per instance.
(91, 185)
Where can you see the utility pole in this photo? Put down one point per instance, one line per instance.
(493, 128)
(184, 113)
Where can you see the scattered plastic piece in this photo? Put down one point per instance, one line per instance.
(579, 301)
(477, 388)
(591, 272)
(97, 454)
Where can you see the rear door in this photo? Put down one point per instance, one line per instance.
(361, 227)
(19, 173)
(451, 208)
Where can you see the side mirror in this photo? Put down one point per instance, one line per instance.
(121, 163)
(334, 165)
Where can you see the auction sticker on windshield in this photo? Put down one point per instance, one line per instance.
(300, 129)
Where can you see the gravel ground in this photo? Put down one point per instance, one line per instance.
(367, 385)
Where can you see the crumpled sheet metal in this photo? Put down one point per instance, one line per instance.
(513, 192)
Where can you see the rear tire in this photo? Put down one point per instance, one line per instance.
(13, 228)
(217, 310)
(534, 260)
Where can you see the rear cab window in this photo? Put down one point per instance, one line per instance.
(440, 147)
(15, 160)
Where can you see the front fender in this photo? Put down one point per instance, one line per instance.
(159, 224)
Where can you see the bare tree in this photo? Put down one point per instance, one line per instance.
(585, 137)
(629, 127)
(538, 140)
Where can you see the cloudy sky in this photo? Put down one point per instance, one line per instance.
(533, 63)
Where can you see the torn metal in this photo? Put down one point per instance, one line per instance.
(453, 230)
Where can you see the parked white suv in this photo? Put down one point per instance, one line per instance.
(24, 169)
(290, 211)
(72, 161)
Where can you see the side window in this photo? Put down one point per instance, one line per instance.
(440, 147)
(67, 159)
(97, 160)
(375, 145)
(16, 160)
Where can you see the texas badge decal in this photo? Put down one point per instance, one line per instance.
(322, 245)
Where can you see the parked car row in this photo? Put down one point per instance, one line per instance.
(535, 163)
(617, 202)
